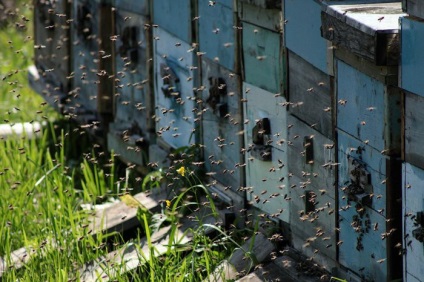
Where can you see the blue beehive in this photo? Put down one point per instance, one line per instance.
(265, 136)
(414, 8)
(217, 34)
(311, 95)
(263, 56)
(302, 34)
(222, 124)
(368, 109)
(412, 63)
(176, 17)
(132, 125)
(413, 213)
(92, 61)
(369, 210)
(312, 168)
(177, 112)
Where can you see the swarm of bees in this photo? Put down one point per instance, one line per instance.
(129, 83)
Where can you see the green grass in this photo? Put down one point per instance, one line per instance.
(44, 182)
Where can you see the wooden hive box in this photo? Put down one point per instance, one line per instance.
(369, 210)
(217, 37)
(263, 55)
(176, 17)
(132, 125)
(177, 113)
(92, 61)
(412, 62)
(312, 180)
(302, 33)
(264, 4)
(368, 109)
(414, 8)
(52, 49)
(413, 119)
(413, 209)
(367, 30)
(311, 95)
(222, 124)
(265, 138)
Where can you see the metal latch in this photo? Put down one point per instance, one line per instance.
(419, 232)
(360, 188)
(171, 82)
(261, 137)
(129, 43)
(217, 96)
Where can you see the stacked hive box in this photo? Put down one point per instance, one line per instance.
(365, 37)
(311, 154)
(295, 102)
(265, 114)
(132, 127)
(89, 99)
(219, 92)
(175, 74)
(411, 82)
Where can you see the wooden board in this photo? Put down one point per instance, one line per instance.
(174, 96)
(265, 4)
(368, 30)
(302, 24)
(130, 147)
(140, 7)
(269, 18)
(263, 58)
(131, 257)
(175, 17)
(414, 8)
(217, 35)
(311, 95)
(221, 133)
(133, 101)
(412, 63)
(266, 178)
(413, 202)
(311, 156)
(118, 217)
(368, 110)
(414, 121)
(52, 42)
(240, 263)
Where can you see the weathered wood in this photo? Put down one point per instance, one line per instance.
(412, 63)
(266, 179)
(310, 95)
(259, 248)
(175, 74)
(414, 8)
(217, 36)
(27, 129)
(414, 131)
(412, 203)
(263, 60)
(131, 257)
(130, 148)
(175, 17)
(266, 18)
(116, 218)
(368, 30)
(222, 123)
(265, 4)
(302, 23)
(368, 109)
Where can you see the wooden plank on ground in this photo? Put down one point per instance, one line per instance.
(259, 248)
(131, 256)
(118, 217)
